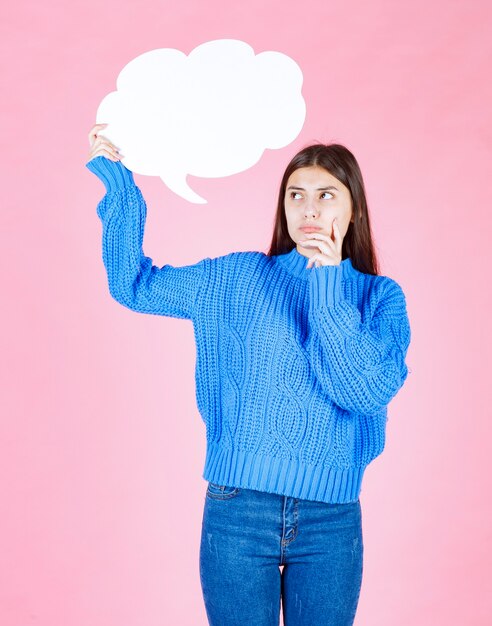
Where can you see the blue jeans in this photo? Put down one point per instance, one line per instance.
(247, 535)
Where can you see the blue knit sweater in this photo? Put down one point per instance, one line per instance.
(295, 367)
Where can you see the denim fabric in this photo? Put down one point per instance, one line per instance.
(247, 535)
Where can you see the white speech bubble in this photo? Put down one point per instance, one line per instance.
(209, 114)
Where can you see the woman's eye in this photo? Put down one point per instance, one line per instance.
(294, 193)
(324, 192)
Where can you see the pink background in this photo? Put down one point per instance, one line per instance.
(102, 443)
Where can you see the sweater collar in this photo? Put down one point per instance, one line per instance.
(295, 263)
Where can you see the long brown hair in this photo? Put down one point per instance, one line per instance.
(339, 162)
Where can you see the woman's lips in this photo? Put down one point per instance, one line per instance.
(310, 229)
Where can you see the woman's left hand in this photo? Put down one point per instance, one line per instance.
(330, 249)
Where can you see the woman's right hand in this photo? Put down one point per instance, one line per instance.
(100, 146)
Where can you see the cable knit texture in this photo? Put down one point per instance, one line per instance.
(295, 367)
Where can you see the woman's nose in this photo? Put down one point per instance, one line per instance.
(309, 208)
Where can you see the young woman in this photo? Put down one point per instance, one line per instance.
(299, 352)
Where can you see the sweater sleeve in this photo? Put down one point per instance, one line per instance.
(361, 366)
(133, 280)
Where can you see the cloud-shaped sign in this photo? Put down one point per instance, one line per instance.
(209, 114)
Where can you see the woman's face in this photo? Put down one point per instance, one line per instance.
(313, 197)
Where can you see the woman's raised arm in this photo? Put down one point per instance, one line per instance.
(133, 280)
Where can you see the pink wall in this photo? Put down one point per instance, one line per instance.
(102, 443)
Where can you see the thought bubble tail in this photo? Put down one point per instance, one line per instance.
(178, 184)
